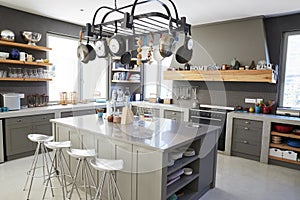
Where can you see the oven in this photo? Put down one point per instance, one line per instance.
(213, 115)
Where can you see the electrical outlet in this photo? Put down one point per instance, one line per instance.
(248, 100)
(259, 100)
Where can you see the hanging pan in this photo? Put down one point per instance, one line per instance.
(185, 52)
(117, 43)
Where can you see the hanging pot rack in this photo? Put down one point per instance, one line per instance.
(131, 24)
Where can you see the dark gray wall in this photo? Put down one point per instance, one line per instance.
(18, 21)
(218, 43)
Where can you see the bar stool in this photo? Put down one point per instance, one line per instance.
(108, 167)
(40, 139)
(82, 155)
(58, 163)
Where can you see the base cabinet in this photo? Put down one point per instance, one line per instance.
(18, 128)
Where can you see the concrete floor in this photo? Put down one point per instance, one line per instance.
(237, 179)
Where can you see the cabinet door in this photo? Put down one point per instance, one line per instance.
(124, 177)
(16, 139)
(42, 128)
(148, 167)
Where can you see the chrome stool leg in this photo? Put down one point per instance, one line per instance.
(31, 174)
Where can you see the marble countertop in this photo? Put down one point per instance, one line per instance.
(266, 117)
(159, 134)
(159, 105)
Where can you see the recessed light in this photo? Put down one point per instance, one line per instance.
(81, 9)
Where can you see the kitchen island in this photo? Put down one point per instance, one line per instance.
(147, 149)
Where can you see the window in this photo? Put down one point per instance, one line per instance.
(69, 74)
(290, 85)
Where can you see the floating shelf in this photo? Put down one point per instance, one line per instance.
(119, 81)
(267, 76)
(288, 135)
(18, 62)
(25, 79)
(284, 146)
(284, 160)
(15, 44)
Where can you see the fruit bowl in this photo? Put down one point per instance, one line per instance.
(31, 37)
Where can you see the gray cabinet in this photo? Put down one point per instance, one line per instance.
(77, 113)
(246, 138)
(174, 115)
(16, 130)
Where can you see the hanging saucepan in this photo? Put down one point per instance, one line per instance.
(126, 57)
(185, 52)
(166, 43)
(85, 52)
(117, 43)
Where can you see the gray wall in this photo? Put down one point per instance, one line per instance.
(241, 39)
(18, 21)
(220, 42)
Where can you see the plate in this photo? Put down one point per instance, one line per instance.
(189, 152)
(188, 171)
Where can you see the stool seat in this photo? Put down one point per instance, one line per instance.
(40, 138)
(58, 145)
(107, 164)
(81, 153)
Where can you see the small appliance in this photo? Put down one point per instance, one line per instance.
(11, 100)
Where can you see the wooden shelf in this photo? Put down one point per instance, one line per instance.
(267, 76)
(284, 146)
(284, 160)
(25, 79)
(288, 135)
(125, 70)
(119, 81)
(18, 62)
(15, 44)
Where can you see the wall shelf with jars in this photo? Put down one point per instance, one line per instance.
(38, 71)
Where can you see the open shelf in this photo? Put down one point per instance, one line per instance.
(268, 76)
(18, 62)
(15, 44)
(188, 195)
(119, 81)
(183, 181)
(284, 160)
(288, 135)
(180, 163)
(284, 146)
(125, 70)
(25, 79)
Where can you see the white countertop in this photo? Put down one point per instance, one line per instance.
(159, 134)
(50, 109)
(159, 105)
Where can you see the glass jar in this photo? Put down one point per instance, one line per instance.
(63, 98)
(127, 96)
(120, 97)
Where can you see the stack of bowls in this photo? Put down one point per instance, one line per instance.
(276, 139)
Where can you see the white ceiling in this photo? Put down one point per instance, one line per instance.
(196, 11)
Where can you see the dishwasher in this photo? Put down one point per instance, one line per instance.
(1, 143)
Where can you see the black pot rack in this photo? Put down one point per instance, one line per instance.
(130, 24)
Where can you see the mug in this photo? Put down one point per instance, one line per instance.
(23, 56)
(5, 109)
(257, 109)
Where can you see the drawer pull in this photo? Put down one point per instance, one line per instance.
(246, 128)
(246, 122)
(19, 120)
(173, 113)
(245, 142)
(173, 118)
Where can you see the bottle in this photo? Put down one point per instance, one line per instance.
(127, 96)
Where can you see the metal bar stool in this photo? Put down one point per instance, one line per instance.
(108, 167)
(60, 166)
(40, 139)
(86, 174)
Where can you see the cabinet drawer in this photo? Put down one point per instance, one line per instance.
(84, 112)
(18, 120)
(245, 131)
(247, 147)
(169, 114)
(247, 135)
(248, 123)
(42, 118)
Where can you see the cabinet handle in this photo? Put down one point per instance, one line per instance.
(173, 118)
(245, 142)
(173, 113)
(246, 122)
(246, 128)
(19, 120)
